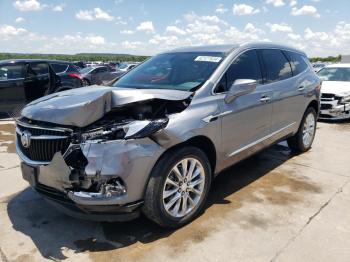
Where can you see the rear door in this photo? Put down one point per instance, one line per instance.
(246, 121)
(278, 78)
(37, 82)
(11, 87)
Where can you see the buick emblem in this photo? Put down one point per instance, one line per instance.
(25, 139)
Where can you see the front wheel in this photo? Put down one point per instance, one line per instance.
(303, 139)
(178, 187)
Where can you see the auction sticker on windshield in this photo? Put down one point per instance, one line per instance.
(213, 59)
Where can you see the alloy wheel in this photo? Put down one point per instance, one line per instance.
(309, 129)
(183, 187)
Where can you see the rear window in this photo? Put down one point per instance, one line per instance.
(39, 68)
(11, 72)
(277, 65)
(59, 68)
(298, 63)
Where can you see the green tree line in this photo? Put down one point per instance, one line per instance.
(76, 57)
(332, 59)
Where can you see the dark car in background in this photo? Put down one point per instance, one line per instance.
(24, 80)
(97, 75)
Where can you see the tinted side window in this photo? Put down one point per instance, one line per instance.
(11, 72)
(59, 68)
(298, 63)
(103, 69)
(72, 69)
(39, 68)
(246, 66)
(277, 65)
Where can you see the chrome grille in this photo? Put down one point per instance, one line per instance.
(44, 142)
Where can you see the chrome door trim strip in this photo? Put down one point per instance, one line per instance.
(260, 140)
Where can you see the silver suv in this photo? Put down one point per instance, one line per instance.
(156, 138)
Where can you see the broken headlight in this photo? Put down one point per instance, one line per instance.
(103, 133)
(345, 99)
(140, 129)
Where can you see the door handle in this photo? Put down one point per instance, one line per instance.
(301, 88)
(265, 99)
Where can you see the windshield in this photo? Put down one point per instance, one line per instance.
(182, 71)
(86, 70)
(335, 74)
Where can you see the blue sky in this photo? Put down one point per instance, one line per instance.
(319, 27)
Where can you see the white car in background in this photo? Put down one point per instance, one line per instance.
(318, 66)
(335, 99)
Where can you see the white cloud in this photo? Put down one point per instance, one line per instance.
(172, 29)
(305, 10)
(251, 29)
(120, 21)
(96, 40)
(243, 9)
(95, 14)
(294, 37)
(220, 9)
(28, 5)
(9, 30)
(293, 3)
(283, 27)
(164, 40)
(127, 32)
(146, 26)
(276, 3)
(58, 8)
(20, 20)
(118, 2)
(131, 45)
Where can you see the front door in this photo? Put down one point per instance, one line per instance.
(37, 82)
(246, 121)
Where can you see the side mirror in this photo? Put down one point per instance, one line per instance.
(239, 88)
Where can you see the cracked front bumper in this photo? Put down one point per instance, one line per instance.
(128, 160)
(338, 112)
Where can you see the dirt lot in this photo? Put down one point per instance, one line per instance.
(274, 206)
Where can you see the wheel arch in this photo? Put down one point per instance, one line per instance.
(315, 105)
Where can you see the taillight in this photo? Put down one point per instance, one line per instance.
(76, 75)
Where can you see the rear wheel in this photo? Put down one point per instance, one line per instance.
(178, 187)
(303, 139)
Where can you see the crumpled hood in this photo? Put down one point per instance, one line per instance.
(83, 106)
(338, 88)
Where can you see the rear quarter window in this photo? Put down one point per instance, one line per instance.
(297, 62)
(276, 64)
(59, 68)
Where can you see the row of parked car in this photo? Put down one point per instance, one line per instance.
(24, 80)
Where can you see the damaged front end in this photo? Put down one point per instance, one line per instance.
(101, 167)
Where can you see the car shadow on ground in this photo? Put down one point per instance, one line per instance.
(52, 232)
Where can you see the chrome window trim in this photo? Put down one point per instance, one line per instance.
(241, 52)
(14, 79)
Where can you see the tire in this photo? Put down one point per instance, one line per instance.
(298, 142)
(182, 211)
(86, 82)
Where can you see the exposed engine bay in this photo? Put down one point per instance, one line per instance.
(127, 121)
